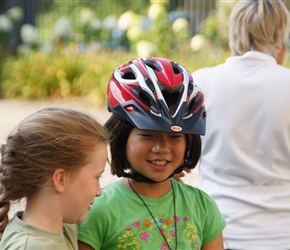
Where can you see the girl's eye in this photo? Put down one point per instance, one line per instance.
(176, 136)
(146, 135)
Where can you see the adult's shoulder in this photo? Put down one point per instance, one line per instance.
(283, 69)
(204, 70)
(207, 75)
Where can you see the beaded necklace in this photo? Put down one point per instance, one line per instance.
(174, 207)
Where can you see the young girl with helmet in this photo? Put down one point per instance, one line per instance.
(54, 159)
(158, 117)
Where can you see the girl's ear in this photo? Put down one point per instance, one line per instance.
(59, 178)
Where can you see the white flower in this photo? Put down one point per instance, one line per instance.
(155, 10)
(16, 13)
(145, 48)
(110, 22)
(125, 20)
(197, 42)
(29, 34)
(6, 24)
(180, 24)
(96, 24)
(63, 28)
(23, 49)
(86, 16)
(134, 33)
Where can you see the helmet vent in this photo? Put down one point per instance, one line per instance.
(144, 98)
(129, 74)
(176, 68)
(171, 98)
(195, 104)
(154, 65)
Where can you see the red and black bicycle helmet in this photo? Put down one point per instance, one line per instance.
(157, 94)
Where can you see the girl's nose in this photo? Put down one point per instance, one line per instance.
(98, 190)
(161, 147)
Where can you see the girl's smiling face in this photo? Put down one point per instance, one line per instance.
(155, 154)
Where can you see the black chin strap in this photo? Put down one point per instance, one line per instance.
(136, 176)
(139, 177)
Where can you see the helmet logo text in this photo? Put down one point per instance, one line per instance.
(176, 128)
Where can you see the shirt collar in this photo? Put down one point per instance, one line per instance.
(253, 56)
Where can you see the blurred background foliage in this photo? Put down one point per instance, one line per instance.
(71, 48)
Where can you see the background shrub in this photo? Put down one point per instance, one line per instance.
(68, 73)
(80, 50)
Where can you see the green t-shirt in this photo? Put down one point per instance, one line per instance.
(119, 220)
(19, 235)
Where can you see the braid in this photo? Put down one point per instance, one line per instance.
(4, 209)
(4, 205)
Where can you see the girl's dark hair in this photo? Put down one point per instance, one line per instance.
(119, 133)
(48, 139)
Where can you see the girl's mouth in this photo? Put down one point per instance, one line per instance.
(159, 162)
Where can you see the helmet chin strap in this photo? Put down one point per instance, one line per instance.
(140, 178)
(136, 176)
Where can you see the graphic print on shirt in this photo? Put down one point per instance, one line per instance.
(141, 233)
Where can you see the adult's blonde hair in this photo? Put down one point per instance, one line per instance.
(49, 139)
(258, 25)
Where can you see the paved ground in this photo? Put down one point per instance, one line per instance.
(12, 112)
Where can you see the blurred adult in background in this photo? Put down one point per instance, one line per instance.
(245, 162)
